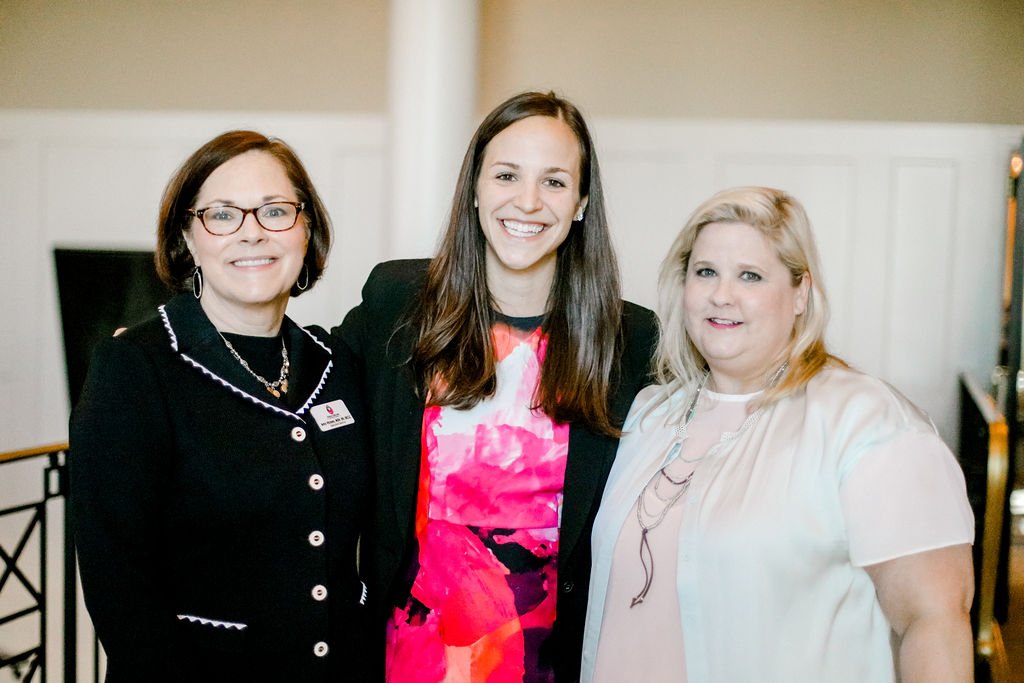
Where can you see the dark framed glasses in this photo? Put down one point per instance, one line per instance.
(225, 220)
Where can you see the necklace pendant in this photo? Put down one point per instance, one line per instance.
(272, 388)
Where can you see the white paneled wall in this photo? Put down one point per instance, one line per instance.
(909, 220)
(95, 179)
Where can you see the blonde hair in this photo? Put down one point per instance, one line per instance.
(783, 221)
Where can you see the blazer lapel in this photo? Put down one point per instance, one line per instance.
(590, 458)
(196, 340)
(310, 366)
(402, 461)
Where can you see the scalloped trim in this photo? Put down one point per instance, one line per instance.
(323, 377)
(229, 625)
(167, 325)
(243, 394)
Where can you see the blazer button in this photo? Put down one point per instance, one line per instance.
(316, 482)
(319, 593)
(299, 434)
(320, 649)
(316, 539)
(568, 586)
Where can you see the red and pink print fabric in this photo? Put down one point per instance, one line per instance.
(484, 575)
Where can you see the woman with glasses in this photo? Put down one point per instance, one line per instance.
(499, 373)
(218, 457)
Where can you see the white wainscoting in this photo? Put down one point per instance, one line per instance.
(909, 218)
(910, 223)
(95, 180)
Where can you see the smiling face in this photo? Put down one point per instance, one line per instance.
(527, 192)
(248, 275)
(740, 305)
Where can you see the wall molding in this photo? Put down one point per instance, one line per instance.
(909, 218)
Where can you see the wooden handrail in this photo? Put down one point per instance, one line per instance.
(33, 452)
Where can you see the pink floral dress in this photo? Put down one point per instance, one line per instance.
(484, 574)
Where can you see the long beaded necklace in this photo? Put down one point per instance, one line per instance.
(683, 484)
(654, 519)
(276, 388)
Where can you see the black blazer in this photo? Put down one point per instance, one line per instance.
(374, 333)
(209, 517)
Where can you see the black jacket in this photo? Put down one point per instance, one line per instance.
(374, 333)
(198, 498)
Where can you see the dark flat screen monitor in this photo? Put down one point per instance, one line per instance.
(101, 290)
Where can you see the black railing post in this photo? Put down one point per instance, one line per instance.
(58, 484)
(44, 598)
(30, 664)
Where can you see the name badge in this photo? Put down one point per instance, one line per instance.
(331, 415)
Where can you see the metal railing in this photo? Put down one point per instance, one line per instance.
(984, 456)
(21, 573)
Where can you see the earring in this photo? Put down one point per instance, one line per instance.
(476, 203)
(197, 283)
(579, 215)
(303, 284)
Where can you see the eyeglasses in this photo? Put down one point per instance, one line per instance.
(225, 220)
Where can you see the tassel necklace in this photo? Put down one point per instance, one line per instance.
(649, 520)
(276, 388)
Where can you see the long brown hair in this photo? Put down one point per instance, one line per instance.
(454, 356)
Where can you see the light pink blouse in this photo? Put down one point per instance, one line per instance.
(634, 643)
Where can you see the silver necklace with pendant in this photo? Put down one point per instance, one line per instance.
(276, 388)
(681, 485)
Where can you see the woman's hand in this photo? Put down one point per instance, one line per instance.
(927, 599)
